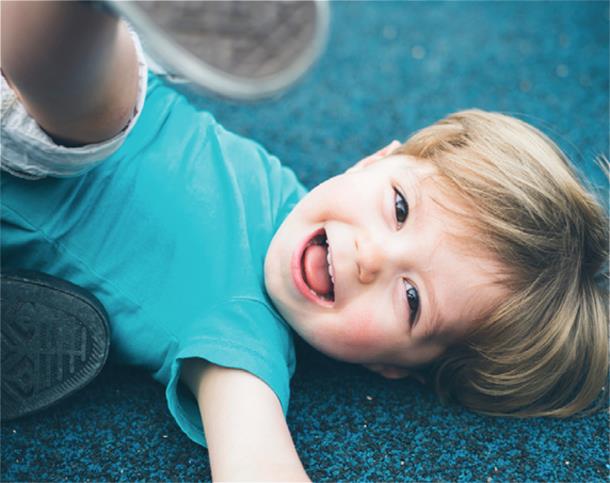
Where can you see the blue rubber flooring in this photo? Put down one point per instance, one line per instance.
(390, 68)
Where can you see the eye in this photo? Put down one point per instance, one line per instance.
(401, 207)
(412, 301)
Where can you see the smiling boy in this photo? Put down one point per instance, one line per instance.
(402, 288)
(470, 250)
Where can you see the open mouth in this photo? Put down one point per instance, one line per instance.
(316, 269)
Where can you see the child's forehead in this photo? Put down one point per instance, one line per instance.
(425, 178)
(431, 195)
(430, 186)
(435, 197)
(422, 167)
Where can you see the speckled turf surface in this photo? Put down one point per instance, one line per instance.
(390, 68)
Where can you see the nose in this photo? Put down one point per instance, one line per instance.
(370, 258)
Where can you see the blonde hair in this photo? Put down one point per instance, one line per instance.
(544, 350)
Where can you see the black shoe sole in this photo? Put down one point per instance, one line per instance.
(55, 340)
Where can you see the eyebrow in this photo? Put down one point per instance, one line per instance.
(414, 186)
(433, 316)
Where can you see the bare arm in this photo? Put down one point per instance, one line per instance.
(74, 68)
(247, 435)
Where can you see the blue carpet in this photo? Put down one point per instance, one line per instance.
(390, 68)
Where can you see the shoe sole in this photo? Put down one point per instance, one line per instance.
(243, 39)
(55, 340)
(237, 49)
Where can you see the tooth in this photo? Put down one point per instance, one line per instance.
(331, 272)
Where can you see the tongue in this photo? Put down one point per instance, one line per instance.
(315, 267)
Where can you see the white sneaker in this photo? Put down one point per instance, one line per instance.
(239, 49)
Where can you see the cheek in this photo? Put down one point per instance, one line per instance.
(355, 337)
(359, 328)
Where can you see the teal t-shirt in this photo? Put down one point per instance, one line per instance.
(170, 233)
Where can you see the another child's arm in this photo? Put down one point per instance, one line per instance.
(247, 435)
(74, 68)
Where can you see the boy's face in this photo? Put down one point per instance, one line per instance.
(402, 288)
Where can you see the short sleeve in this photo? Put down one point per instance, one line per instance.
(242, 334)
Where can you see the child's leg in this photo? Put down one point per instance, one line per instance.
(74, 67)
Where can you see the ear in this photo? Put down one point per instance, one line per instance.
(372, 158)
(389, 371)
